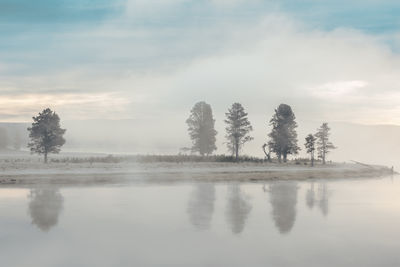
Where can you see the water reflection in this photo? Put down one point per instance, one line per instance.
(321, 198)
(238, 208)
(310, 196)
(44, 207)
(201, 205)
(283, 198)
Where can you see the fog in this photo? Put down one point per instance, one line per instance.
(373, 144)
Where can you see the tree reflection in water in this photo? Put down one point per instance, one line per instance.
(44, 207)
(310, 196)
(283, 199)
(238, 208)
(201, 205)
(323, 198)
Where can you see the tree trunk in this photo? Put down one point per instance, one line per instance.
(279, 157)
(312, 160)
(237, 151)
(45, 157)
(323, 157)
(285, 157)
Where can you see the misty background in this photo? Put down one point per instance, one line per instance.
(379, 144)
(123, 75)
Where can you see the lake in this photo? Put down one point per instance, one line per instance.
(278, 223)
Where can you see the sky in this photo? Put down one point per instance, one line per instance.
(152, 60)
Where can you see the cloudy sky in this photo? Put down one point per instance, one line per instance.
(129, 59)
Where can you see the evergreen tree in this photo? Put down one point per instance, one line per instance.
(323, 144)
(283, 135)
(201, 129)
(238, 128)
(310, 146)
(46, 134)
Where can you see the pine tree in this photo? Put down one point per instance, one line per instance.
(238, 128)
(283, 135)
(310, 146)
(323, 144)
(46, 134)
(201, 129)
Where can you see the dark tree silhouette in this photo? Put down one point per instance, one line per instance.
(324, 146)
(46, 134)
(237, 129)
(201, 129)
(283, 135)
(310, 146)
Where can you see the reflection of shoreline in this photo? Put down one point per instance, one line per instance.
(45, 207)
(201, 205)
(283, 199)
(238, 208)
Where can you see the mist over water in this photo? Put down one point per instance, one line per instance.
(281, 223)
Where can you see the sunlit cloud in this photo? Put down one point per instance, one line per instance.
(76, 106)
(338, 90)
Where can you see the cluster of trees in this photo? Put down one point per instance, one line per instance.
(282, 138)
(46, 134)
(201, 129)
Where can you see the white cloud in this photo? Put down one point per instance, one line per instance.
(338, 90)
(325, 75)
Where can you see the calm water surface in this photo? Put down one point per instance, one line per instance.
(282, 223)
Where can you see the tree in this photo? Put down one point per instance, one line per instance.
(283, 135)
(310, 146)
(3, 138)
(238, 128)
(323, 144)
(201, 129)
(267, 154)
(46, 135)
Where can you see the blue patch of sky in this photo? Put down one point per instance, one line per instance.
(28, 28)
(371, 16)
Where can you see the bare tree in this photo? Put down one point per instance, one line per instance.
(201, 128)
(267, 154)
(324, 146)
(46, 134)
(310, 146)
(237, 129)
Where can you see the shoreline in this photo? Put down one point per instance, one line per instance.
(30, 174)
